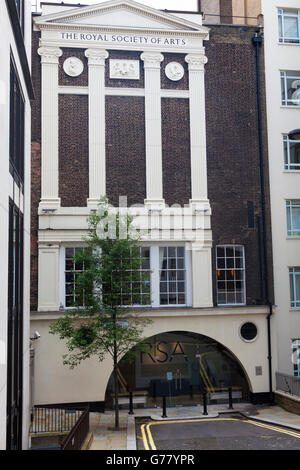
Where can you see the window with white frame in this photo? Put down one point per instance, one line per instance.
(293, 217)
(290, 88)
(230, 265)
(295, 286)
(296, 357)
(137, 290)
(289, 26)
(291, 149)
(164, 278)
(71, 270)
(172, 275)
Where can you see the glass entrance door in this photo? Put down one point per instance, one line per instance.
(181, 366)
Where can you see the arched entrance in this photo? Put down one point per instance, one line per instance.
(181, 365)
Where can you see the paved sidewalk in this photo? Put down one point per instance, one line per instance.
(124, 439)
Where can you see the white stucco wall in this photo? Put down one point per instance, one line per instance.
(56, 383)
(283, 185)
(6, 189)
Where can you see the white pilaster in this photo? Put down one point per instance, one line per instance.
(154, 186)
(202, 275)
(97, 168)
(49, 182)
(196, 63)
(48, 285)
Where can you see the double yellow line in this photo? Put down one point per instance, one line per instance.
(149, 444)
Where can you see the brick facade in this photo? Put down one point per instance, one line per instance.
(233, 151)
(125, 149)
(232, 146)
(73, 150)
(176, 151)
(226, 11)
(35, 168)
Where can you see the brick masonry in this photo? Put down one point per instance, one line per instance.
(226, 11)
(73, 150)
(176, 151)
(290, 403)
(232, 148)
(35, 168)
(125, 149)
(233, 151)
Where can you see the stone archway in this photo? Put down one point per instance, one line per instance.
(181, 365)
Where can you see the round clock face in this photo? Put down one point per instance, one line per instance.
(73, 66)
(174, 71)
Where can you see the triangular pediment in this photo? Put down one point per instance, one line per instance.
(120, 14)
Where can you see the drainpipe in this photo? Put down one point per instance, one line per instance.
(257, 41)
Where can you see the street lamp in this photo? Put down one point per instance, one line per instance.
(294, 135)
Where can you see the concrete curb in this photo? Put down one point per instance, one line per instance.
(272, 421)
(131, 434)
(177, 418)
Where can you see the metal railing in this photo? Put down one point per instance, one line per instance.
(288, 383)
(77, 435)
(54, 420)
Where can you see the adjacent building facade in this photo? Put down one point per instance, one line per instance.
(15, 95)
(282, 42)
(160, 113)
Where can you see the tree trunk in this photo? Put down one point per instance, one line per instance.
(116, 381)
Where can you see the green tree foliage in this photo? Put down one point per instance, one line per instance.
(107, 280)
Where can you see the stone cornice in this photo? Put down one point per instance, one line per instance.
(145, 11)
(121, 29)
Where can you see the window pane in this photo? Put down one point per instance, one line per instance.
(172, 275)
(295, 153)
(291, 27)
(230, 275)
(280, 26)
(297, 281)
(290, 88)
(69, 252)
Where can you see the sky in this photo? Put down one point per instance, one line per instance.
(187, 5)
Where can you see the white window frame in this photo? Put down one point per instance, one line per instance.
(282, 13)
(296, 355)
(286, 75)
(62, 279)
(287, 154)
(154, 276)
(290, 204)
(294, 271)
(239, 269)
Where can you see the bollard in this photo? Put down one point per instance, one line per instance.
(204, 395)
(130, 412)
(230, 407)
(164, 415)
(191, 391)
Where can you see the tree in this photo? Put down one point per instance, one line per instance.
(108, 282)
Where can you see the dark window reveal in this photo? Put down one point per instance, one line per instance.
(20, 10)
(16, 130)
